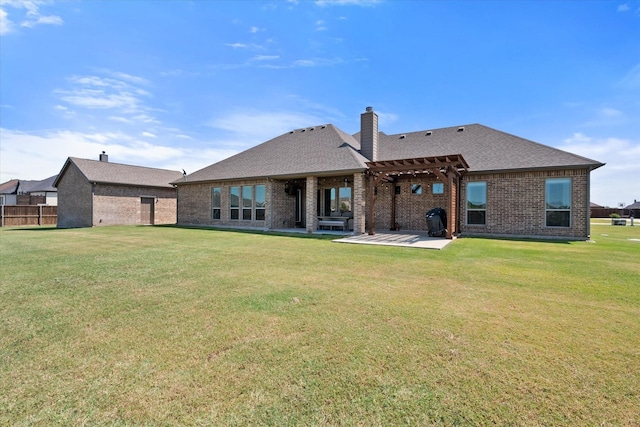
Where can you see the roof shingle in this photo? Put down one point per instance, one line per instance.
(327, 149)
(116, 173)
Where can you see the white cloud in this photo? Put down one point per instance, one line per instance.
(149, 135)
(251, 127)
(623, 7)
(51, 19)
(236, 45)
(618, 179)
(38, 155)
(29, 19)
(119, 92)
(6, 25)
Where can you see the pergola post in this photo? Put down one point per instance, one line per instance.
(452, 205)
(372, 201)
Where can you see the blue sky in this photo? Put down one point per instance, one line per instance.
(183, 84)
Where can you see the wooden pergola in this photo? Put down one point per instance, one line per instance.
(448, 168)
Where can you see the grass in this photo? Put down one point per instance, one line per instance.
(174, 326)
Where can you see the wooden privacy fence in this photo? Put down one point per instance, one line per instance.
(16, 215)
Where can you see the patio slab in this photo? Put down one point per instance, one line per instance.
(405, 239)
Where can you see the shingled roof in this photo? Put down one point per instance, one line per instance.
(318, 150)
(116, 173)
(9, 187)
(485, 149)
(325, 149)
(35, 186)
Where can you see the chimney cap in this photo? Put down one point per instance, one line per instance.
(369, 109)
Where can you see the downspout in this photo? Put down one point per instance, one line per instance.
(270, 205)
(93, 190)
(588, 203)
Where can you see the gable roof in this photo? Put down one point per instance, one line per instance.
(635, 205)
(317, 150)
(9, 187)
(117, 173)
(485, 149)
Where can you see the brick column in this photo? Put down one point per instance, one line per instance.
(359, 202)
(311, 217)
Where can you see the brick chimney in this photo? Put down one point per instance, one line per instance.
(104, 157)
(369, 134)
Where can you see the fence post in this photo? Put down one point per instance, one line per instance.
(39, 214)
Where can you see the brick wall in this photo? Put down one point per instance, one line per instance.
(516, 204)
(410, 208)
(74, 199)
(120, 205)
(195, 203)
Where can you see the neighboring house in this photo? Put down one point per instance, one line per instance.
(25, 192)
(489, 183)
(38, 192)
(9, 192)
(633, 209)
(94, 193)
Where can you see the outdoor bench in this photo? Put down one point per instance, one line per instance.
(334, 222)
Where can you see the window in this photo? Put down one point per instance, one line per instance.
(216, 202)
(558, 202)
(329, 201)
(438, 188)
(336, 200)
(416, 189)
(247, 202)
(261, 202)
(234, 202)
(344, 198)
(477, 203)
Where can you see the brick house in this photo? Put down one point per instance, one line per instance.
(488, 182)
(95, 193)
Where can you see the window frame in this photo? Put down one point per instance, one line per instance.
(440, 186)
(247, 202)
(234, 207)
(260, 206)
(476, 210)
(552, 212)
(416, 189)
(215, 208)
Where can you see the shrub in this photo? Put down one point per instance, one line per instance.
(614, 215)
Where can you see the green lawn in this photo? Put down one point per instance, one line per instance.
(175, 326)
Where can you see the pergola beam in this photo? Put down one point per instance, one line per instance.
(448, 168)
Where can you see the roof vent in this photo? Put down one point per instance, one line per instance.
(369, 109)
(461, 129)
(291, 132)
(303, 130)
(428, 133)
(323, 126)
(403, 136)
(312, 128)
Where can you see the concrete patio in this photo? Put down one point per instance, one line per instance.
(409, 239)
